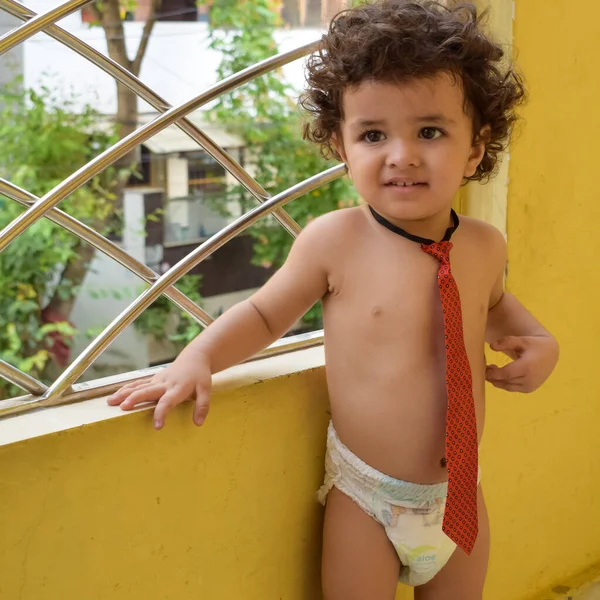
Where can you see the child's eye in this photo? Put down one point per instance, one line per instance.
(373, 136)
(430, 133)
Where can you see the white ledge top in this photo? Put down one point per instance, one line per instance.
(53, 419)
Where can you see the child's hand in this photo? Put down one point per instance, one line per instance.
(170, 387)
(534, 359)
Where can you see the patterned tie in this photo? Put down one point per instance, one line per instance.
(460, 516)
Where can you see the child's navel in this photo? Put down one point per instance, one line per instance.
(376, 311)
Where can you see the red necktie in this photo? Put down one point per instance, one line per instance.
(460, 517)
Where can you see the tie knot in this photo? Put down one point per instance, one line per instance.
(439, 250)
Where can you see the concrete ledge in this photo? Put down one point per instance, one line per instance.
(96, 504)
(54, 419)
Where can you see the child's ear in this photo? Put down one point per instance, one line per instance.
(336, 141)
(478, 151)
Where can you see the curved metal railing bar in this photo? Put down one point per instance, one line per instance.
(13, 38)
(98, 345)
(109, 385)
(107, 247)
(23, 380)
(128, 143)
(123, 76)
(62, 391)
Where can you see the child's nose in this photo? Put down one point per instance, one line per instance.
(403, 154)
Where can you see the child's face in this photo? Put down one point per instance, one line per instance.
(415, 132)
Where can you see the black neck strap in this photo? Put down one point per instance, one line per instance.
(415, 238)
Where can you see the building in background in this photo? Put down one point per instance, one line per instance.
(177, 176)
(294, 13)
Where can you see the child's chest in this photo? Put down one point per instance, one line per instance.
(387, 294)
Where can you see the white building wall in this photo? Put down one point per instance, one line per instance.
(107, 290)
(177, 177)
(178, 63)
(11, 63)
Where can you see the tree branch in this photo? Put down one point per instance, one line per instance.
(136, 64)
(97, 12)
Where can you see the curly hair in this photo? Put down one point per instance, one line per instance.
(399, 40)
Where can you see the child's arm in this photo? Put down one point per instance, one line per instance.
(242, 331)
(512, 329)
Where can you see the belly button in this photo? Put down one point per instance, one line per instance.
(376, 311)
(443, 462)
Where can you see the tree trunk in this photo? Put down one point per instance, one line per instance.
(127, 113)
(108, 15)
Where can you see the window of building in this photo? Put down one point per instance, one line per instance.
(205, 176)
(192, 218)
(179, 10)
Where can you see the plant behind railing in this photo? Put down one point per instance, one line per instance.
(264, 113)
(43, 142)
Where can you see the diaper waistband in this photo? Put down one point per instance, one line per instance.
(394, 491)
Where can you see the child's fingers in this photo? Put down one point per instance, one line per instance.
(126, 390)
(509, 372)
(494, 373)
(150, 393)
(509, 386)
(168, 400)
(202, 405)
(508, 344)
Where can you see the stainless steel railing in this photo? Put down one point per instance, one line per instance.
(66, 389)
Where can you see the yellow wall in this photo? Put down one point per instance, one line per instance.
(113, 510)
(117, 511)
(541, 452)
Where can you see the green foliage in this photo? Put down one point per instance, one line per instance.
(265, 115)
(43, 142)
(157, 319)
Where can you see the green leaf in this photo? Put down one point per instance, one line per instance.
(263, 112)
(43, 142)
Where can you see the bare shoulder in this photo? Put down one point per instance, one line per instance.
(322, 245)
(487, 247)
(485, 238)
(339, 221)
(333, 231)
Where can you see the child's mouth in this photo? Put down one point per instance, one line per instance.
(405, 186)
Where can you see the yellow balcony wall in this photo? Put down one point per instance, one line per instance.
(94, 505)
